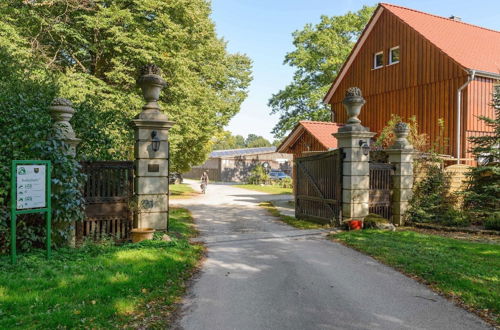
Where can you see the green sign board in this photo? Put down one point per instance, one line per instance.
(30, 193)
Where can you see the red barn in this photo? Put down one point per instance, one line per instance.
(408, 63)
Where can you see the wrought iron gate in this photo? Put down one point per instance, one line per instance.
(380, 189)
(107, 192)
(318, 182)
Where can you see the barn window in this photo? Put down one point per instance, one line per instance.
(394, 55)
(378, 60)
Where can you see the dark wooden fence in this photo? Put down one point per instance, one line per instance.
(319, 187)
(380, 189)
(108, 192)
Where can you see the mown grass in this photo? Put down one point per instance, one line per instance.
(182, 190)
(464, 269)
(300, 224)
(274, 190)
(100, 286)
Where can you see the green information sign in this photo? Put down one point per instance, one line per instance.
(30, 193)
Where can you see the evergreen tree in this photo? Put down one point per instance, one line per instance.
(482, 198)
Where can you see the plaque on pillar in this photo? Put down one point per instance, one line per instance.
(151, 152)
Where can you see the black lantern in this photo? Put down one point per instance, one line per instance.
(155, 141)
(365, 148)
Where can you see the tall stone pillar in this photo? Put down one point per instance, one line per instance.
(354, 140)
(151, 154)
(401, 156)
(61, 110)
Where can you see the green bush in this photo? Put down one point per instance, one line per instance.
(454, 218)
(493, 221)
(258, 175)
(284, 183)
(429, 195)
(26, 90)
(372, 219)
(431, 201)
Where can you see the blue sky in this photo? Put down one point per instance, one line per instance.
(262, 29)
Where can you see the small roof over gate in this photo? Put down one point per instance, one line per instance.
(321, 130)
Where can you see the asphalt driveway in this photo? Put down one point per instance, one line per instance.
(263, 274)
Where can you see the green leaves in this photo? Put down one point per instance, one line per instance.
(321, 50)
(482, 197)
(95, 48)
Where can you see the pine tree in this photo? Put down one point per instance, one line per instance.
(482, 198)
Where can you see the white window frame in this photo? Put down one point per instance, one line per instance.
(375, 60)
(390, 55)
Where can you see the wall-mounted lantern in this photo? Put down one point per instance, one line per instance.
(365, 148)
(155, 141)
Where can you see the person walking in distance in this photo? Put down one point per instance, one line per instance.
(204, 182)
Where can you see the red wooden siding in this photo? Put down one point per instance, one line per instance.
(479, 98)
(423, 83)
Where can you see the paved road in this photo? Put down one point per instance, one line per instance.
(262, 274)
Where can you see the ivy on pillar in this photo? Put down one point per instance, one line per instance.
(354, 140)
(151, 154)
(401, 156)
(61, 110)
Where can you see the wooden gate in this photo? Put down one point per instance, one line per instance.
(108, 191)
(380, 189)
(318, 182)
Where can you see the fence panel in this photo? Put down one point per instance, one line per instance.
(107, 192)
(380, 189)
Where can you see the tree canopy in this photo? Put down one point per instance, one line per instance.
(320, 51)
(228, 141)
(93, 49)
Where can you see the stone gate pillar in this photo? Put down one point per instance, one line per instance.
(354, 139)
(401, 156)
(61, 110)
(151, 154)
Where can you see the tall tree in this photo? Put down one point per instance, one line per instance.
(228, 141)
(482, 198)
(256, 141)
(321, 50)
(96, 47)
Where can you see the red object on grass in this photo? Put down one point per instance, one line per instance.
(355, 224)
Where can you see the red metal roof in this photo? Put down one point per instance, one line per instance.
(471, 46)
(322, 131)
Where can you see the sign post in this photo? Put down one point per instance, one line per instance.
(30, 193)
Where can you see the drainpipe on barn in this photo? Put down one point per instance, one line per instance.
(471, 77)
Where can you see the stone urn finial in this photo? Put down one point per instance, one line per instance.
(61, 110)
(401, 130)
(353, 102)
(151, 84)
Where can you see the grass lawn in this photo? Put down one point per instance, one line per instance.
(300, 224)
(274, 190)
(179, 191)
(100, 286)
(469, 271)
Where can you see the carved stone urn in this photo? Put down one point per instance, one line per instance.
(151, 84)
(61, 110)
(401, 130)
(353, 102)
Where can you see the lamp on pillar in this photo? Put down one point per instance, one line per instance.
(155, 141)
(151, 128)
(365, 148)
(353, 140)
